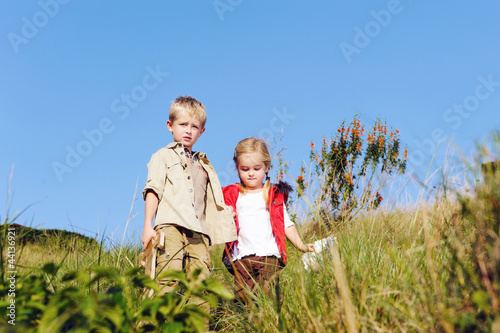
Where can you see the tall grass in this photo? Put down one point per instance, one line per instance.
(434, 267)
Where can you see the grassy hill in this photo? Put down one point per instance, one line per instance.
(430, 268)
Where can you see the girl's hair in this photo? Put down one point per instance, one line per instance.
(254, 145)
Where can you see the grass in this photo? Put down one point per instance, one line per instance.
(430, 268)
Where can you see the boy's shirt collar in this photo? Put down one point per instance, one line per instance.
(189, 154)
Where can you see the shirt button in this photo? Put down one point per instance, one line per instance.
(185, 165)
(189, 177)
(182, 153)
(196, 216)
(190, 190)
(192, 204)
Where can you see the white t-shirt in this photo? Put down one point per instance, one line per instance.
(255, 234)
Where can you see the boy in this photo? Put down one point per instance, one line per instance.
(184, 193)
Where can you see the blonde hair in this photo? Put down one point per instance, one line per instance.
(190, 105)
(254, 145)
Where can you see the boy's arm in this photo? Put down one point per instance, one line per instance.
(293, 236)
(150, 208)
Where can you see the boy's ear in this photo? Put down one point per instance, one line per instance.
(202, 131)
(169, 126)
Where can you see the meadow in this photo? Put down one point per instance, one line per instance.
(430, 267)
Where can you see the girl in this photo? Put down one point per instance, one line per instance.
(262, 221)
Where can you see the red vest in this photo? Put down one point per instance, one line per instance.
(278, 196)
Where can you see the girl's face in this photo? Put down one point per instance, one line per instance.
(252, 171)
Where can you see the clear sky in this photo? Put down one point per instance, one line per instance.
(85, 88)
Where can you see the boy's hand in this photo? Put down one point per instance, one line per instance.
(147, 235)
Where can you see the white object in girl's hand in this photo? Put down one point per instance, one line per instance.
(311, 259)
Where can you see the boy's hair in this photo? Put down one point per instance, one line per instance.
(254, 145)
(190, 105)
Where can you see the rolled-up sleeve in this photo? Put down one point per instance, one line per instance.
(157, 173)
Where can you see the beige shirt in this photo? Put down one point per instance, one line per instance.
(170, 177)
(200, 183)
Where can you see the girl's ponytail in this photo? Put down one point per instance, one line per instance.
(265, 189)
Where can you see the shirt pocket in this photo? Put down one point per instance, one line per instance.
(175, 172)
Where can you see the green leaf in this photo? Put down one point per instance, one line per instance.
(174, 275)
(76, 275)
(50, 268)
(174, 327)
(481, 299)
(144, 281)
(216, 287)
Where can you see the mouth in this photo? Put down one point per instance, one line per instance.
(187, 138)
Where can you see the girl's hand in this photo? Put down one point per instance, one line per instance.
(235, 215)
(310, 248)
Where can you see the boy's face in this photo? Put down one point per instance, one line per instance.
(186, 129)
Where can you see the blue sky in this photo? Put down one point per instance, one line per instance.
(85, 88)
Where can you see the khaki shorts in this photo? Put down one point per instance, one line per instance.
(184, 250)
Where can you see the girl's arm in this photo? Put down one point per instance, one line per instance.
(293, 236)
